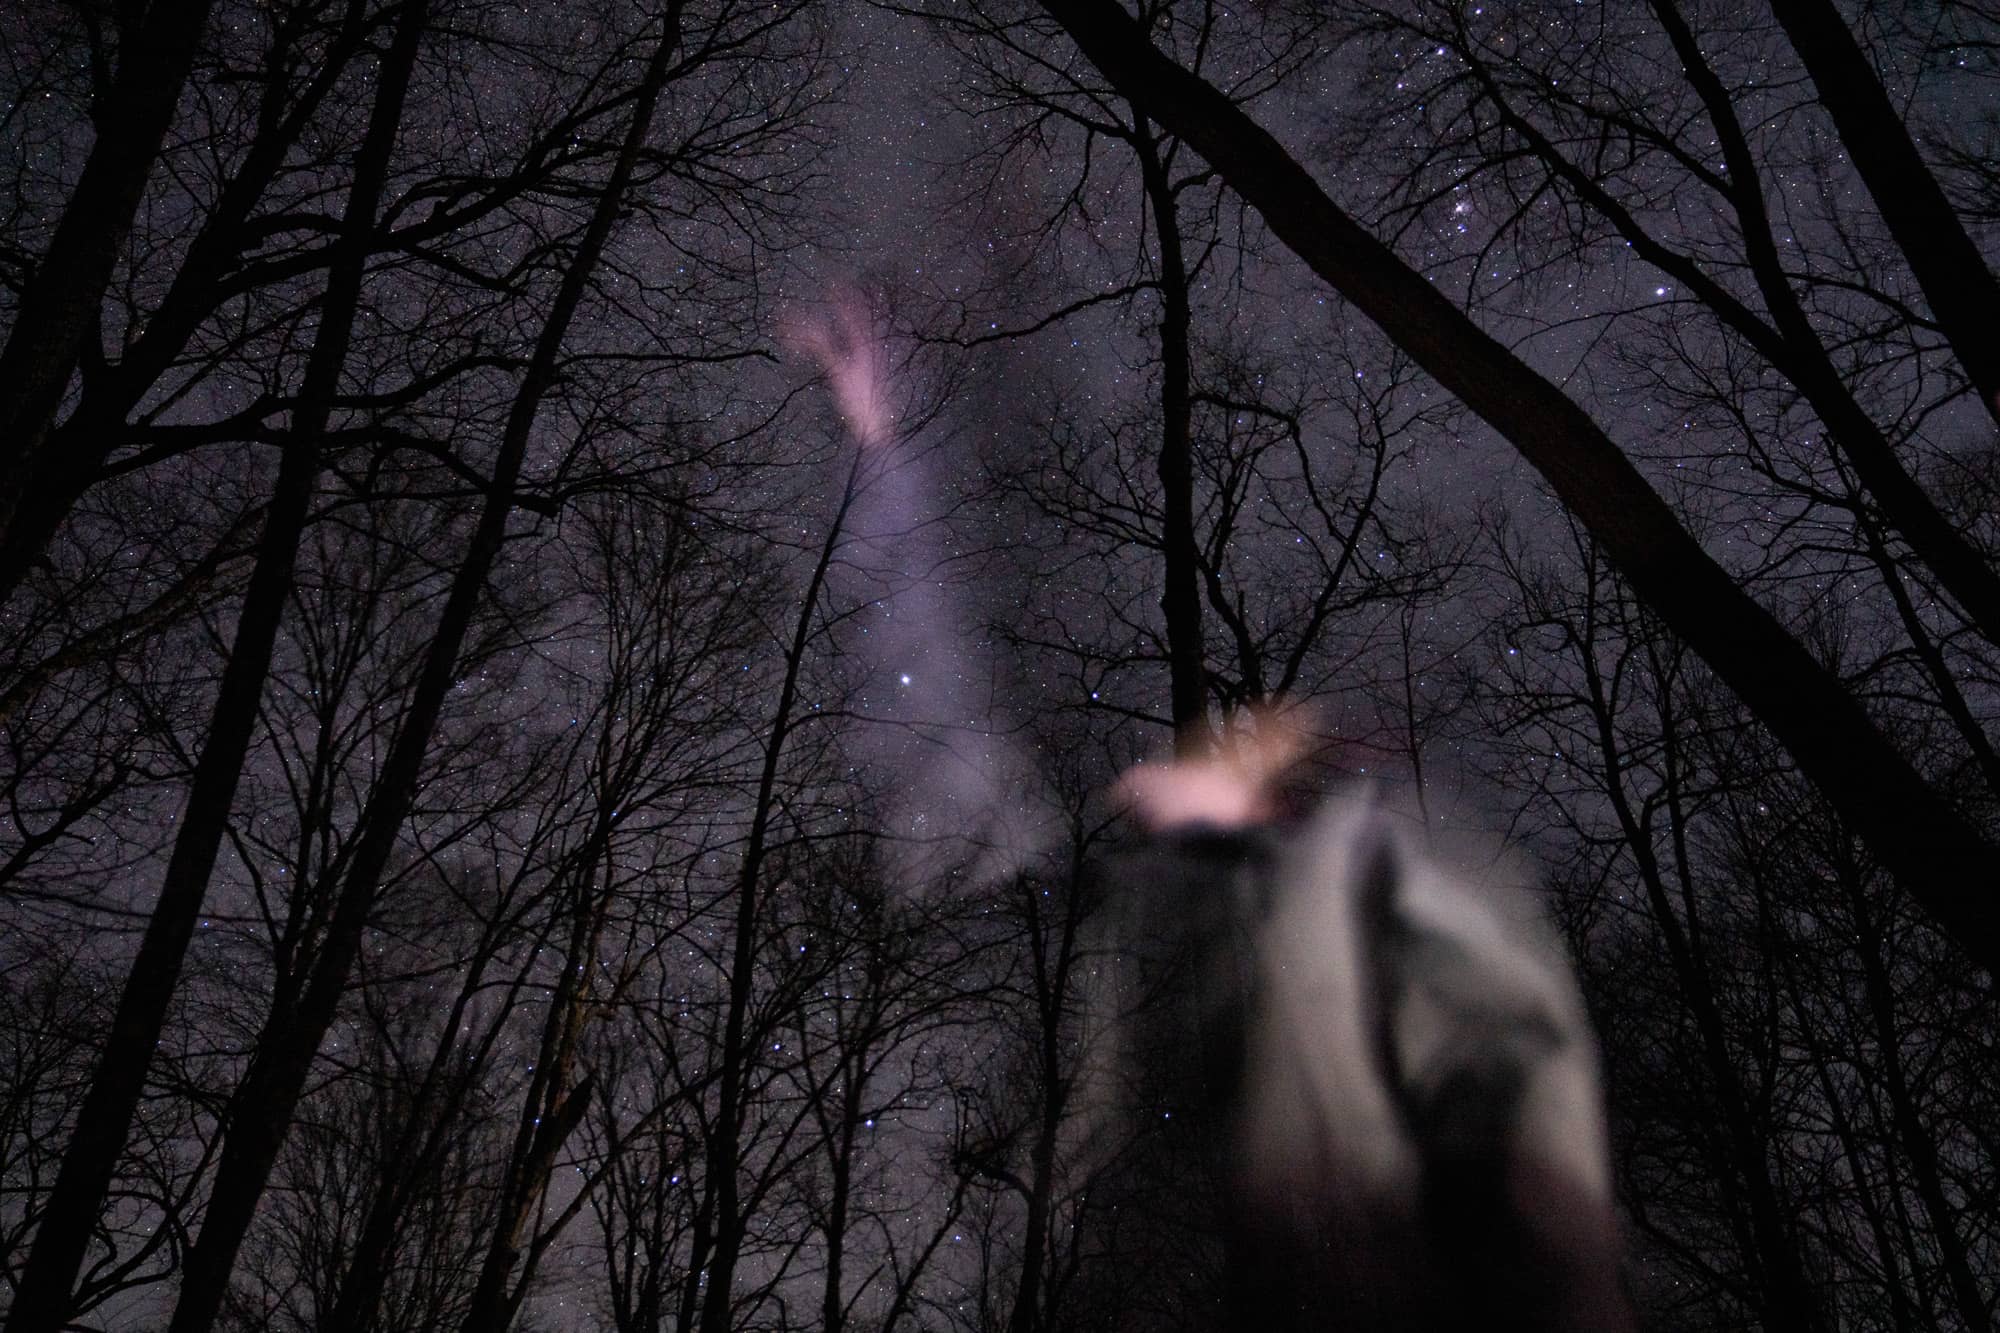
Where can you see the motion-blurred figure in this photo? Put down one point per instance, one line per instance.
(1380, 1065)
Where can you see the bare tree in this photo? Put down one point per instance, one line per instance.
(1031, 1138)
(99, 1132)
(674, 620)
(421, 1137)
(138, 71)
(263, 1103)
(1226, 489)
(898, 991)
(1929, 845)
(60, 1000)
(1741, 991)
(1955, 277)
(1178, 245)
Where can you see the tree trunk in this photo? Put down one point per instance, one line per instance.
(833, 1302)
(1180, 597)
(60, 306)
(551, 1110)
(1053, 956)
(725, 1145)
(420, 1142)
(1962, 290)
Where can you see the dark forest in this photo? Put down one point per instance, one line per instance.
(577, 582)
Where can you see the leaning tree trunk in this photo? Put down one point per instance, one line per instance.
(1962, 290)
(59, 308)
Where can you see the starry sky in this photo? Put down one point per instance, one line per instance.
(1572, 298)
(959, 249)
(943, 339)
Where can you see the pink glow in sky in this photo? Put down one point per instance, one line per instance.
(945, 767)
(843, 339)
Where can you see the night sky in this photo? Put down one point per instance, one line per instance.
(757, 911)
